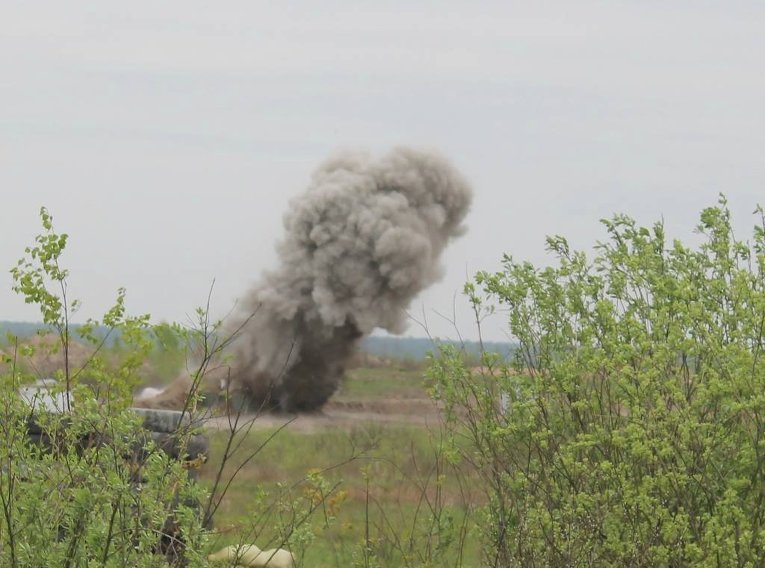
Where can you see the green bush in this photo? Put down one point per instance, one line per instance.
(81, 481)
(630, 429)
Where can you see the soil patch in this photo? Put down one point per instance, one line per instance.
(345, 415)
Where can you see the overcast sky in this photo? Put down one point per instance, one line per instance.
(167, 137)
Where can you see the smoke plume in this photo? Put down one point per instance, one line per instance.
(361, 242)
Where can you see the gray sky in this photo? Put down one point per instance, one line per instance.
(167, 137)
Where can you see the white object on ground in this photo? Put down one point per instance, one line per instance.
(251, 556)
(40, 397)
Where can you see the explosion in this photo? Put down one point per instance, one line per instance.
(362, 241)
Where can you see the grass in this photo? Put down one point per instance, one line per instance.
(380, 494)
(365, 383)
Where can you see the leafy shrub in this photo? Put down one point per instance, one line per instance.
(630, 428)
(83, 484)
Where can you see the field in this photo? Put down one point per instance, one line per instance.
(366, 482)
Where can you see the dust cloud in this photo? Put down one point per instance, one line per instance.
(361, 242)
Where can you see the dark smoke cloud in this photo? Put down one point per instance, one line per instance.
(361, 243)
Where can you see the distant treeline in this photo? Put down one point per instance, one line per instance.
(404, 348)
(20, 328)
(417, 348)
(25, 329)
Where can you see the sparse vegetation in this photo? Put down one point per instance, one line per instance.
(627, 429)
(380, 488)
(385, 382)
(81, 482)
(371, 498)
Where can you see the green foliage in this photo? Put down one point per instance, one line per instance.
(81, 497)
(39, 278)
(630, 429)
(382, 494)
(84, 484)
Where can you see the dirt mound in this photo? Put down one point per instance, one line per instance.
(174, 395)
(342, 415)
(43, 355)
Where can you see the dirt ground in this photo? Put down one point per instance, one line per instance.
(343, 415)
